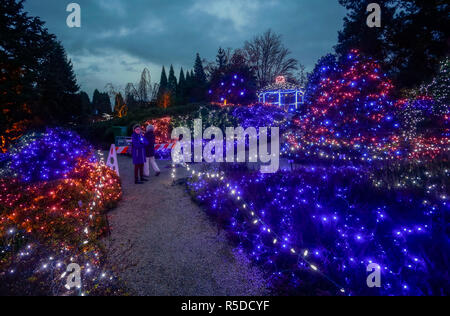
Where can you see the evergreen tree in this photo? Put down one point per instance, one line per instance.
(413, 37)
(181, 90)
(58, 86)
(221, 58)
(96, 101)
(106, 103)
(353, 114)
(200, 81)
(357, 35)
(353, 103)
(163, 83)
(172, 82)
(192, 86)
(199, 71)
(234, 84)
(86, 105)
(101, 103)
(163, 95)
(325, 67)
(188, 87)
(22, 51)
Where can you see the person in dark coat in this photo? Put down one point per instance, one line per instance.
(150, 151)
(138, 152)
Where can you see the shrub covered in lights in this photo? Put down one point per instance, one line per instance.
(162, 129)
(52, 213)
(316, 230)
(326, 66)
(417, 116)
(351, 114)
(439, 89)
(211, 115)
(59, 209)
(353, 102)
(233, 84)
(47, 156)
(261, 116)
(256, 116)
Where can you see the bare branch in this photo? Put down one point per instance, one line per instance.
(269, 58)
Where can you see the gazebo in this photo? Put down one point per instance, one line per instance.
(282, 94)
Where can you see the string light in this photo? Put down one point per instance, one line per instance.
(63, 216)
(353, 118)
(352, 231)
(257, 220)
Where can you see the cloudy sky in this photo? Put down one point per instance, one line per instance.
(118, 38)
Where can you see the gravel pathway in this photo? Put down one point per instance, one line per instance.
(162, 244)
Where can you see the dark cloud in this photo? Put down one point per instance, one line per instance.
(120, 37)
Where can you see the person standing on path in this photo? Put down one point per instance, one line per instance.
(138, 152)
(150, 151)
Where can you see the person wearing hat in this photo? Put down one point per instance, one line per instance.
(138, 152)
(150, 151)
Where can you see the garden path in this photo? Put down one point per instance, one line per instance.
(162, 243)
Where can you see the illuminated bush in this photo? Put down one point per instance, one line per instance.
(47, 156)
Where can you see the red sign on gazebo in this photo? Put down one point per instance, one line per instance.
(280, 80)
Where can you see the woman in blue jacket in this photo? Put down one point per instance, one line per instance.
(138, 152)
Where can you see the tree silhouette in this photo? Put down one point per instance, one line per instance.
(120, 107)
(326, 66)
(172, 82)
(86, 105)
(163, 89)
(145, 87)
(269, 58)
(36, 79)
(199, 81)
(234, 83)
(181, 90)
(411, 42)
(131, 96)
(221, 58)
(58, 86)
(353, 101)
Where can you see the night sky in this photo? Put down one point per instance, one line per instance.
(118, 38)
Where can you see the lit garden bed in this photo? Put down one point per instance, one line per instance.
(54, 193)
(316, 230)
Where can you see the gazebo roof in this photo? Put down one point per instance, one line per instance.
(281, 86)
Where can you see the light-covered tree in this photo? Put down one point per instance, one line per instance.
(120, 107)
